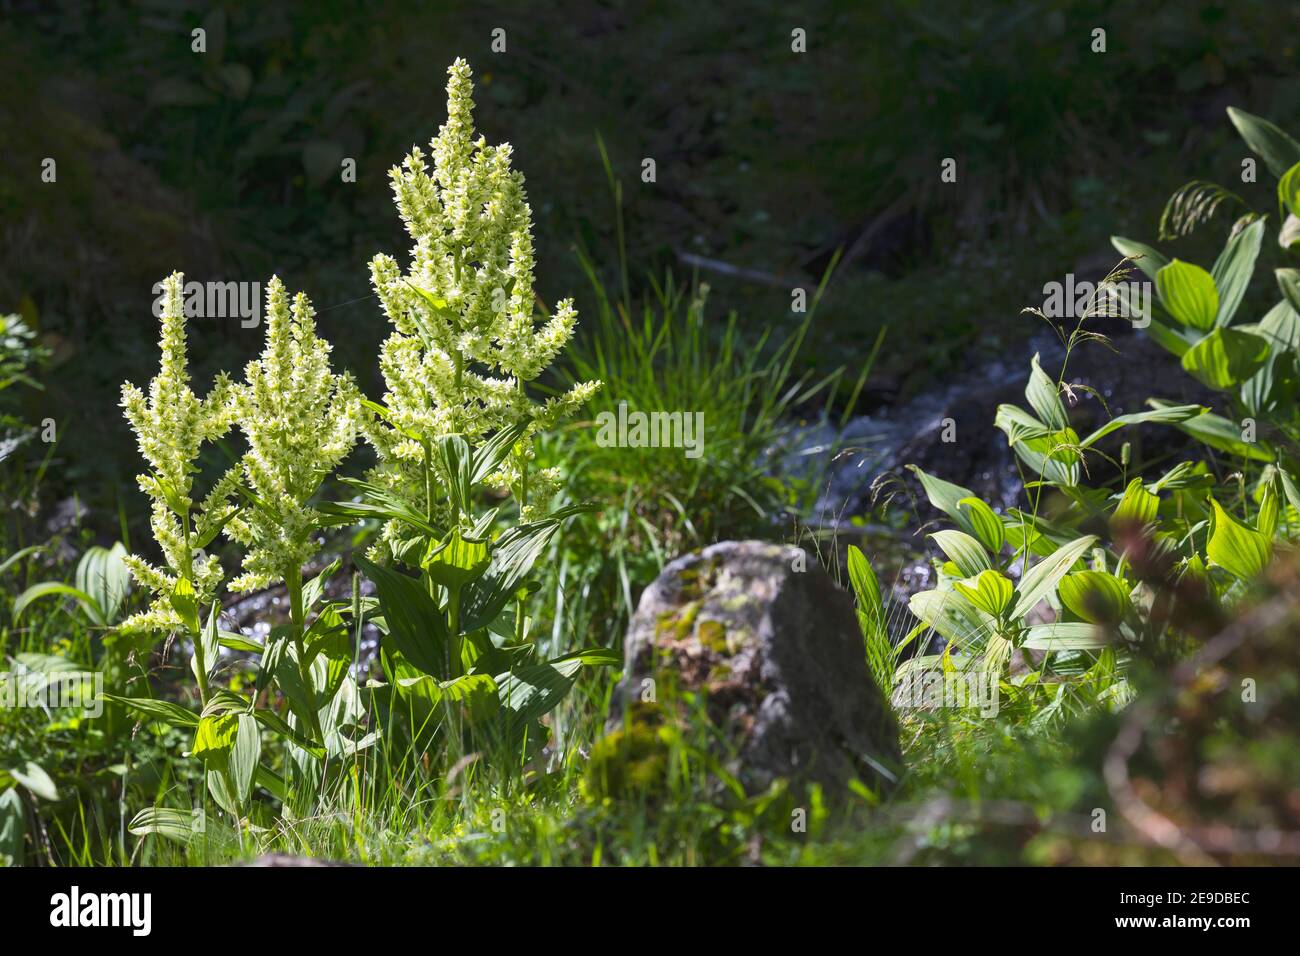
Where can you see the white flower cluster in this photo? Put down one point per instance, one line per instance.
(301, 420)
(465, 338)
(170, 426)
(465, 342)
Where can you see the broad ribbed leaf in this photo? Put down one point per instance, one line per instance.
(1225, 358)
(1288, 192)
(1138, 505)
(1221, 433)
(166, 711)
(1278, 150)
(24, 600)
(963, 550)
(1187, 291)
(513, 557)
(457, 561)
(34, 778)
(1038, 581)
(866, 587)
(488, 457)
(989, 530)
(1064, 636)
(1166, 415)
(953, 618)
(1238, 549)
(416, 625)
(215, 737)
(1233, 269)
(946, 496)
(989, 591)
(1144, 257)
(1288, 280)
(1095, 596)
(102, 575)
(244, 756)
(1044, 398)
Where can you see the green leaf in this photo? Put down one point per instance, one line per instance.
(1289, 488)
(1269, 511)
(964, 551)
(314, 589)
(35, 779)
(36, 591)
(1239, 550)
(1225, 358)
(457, 561)
(1064, 636)
(207, 644)
(532, 691)
(1169, 338)
(1188, 293)
(488, 457)
(947, 497)
(454, 454)
(1288, 192)
(1044, 398)
(953, 617)
(1137, 506)
(416, 625)
(866, 587)
(1095, 596)
(1144, 257)
(13, 827)
(19, 555)
(1054, 455)
(1218, 432)
(1165, 415)
(1233, 269)
(244, 756)
(1038, 581)
(989, 591)
(513, 557)
(1280, 326)
(278, 725)
(215, 737)
(988, 526)
(164, 710)
(1278, 150)
(179, 825)
(1288, 280)
(478, 693)
(1289, 235)
(185, 602)
(378, 502)
(104, 577)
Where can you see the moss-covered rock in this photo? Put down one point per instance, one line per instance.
(758, 643)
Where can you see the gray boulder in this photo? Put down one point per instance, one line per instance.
(775, 648)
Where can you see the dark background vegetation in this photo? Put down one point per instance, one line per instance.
(226, 164)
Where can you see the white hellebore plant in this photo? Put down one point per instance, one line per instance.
(465, 340)
(171, 425)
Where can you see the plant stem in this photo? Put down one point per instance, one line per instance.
(297, 617)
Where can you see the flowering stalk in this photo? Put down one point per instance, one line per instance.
(465, 340)
(171, 425)
(301, 420)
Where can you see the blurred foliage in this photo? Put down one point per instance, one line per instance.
(767, 160)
